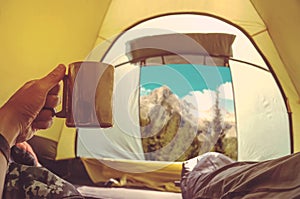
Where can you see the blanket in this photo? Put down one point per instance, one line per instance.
(216, 176)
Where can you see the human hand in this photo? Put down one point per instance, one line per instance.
(31, 107)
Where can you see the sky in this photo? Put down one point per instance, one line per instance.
(193, 83)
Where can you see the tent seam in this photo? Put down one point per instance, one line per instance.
(259, 32)
(100, 26)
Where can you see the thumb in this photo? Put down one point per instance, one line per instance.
(53, 78)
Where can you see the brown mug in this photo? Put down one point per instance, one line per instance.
(87, 95)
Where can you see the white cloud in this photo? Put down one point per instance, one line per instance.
(144, 91)
(226, 91)
(201, 100)
(206, 99)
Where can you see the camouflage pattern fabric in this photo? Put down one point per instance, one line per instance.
(30, 182)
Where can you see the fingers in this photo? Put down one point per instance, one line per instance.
(28, 106)
(54, 90)
(44, 119)
(42, 124)
(52, 101)
(44, 115)
(53, 78)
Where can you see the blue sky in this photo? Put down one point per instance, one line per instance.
(183, 78)
(186, 80)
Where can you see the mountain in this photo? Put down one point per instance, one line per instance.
(170, 129)
(161, 103)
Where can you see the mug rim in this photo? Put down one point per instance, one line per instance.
(81, 62)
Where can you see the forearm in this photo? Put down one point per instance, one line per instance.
(4, 159)
(3, 169)
(8, 135)
(24, 113)
(8, 127)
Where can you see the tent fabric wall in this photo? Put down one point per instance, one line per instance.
(269, 119)
(267, 47)
(260, 21)
(154, 175)
(122, 141)
(37, 35)
(114, 23)
(282, 25)
(244, 16)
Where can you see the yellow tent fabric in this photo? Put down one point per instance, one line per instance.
(271, 24)
(37, 35)
(153, 175)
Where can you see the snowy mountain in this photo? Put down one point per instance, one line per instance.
(170, 125)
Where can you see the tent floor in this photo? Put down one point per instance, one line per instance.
(91, 192)
(73, 171)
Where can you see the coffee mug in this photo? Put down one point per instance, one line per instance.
(87, 95)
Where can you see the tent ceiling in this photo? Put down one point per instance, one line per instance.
(250, 16)
(245, 16)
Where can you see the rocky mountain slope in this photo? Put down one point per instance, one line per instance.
(170, 130)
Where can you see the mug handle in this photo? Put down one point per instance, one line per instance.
(63, 112)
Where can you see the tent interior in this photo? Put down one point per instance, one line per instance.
(190, 79)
